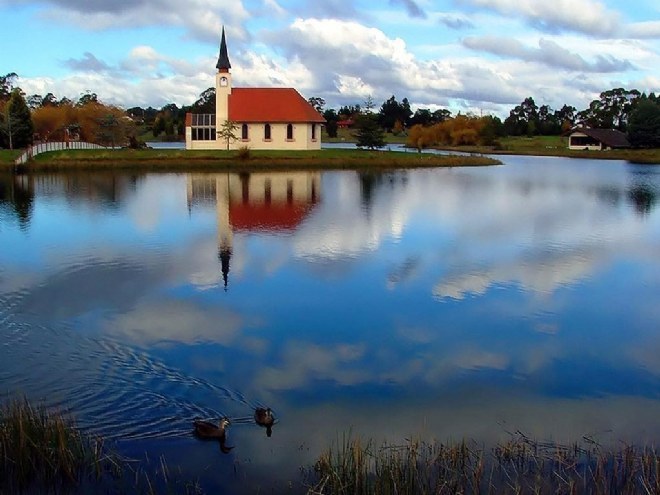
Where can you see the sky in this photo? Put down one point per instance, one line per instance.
(479, 56)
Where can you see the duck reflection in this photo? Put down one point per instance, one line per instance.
(265, 202)
(205, 430)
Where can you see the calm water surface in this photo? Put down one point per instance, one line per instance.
(438, 304)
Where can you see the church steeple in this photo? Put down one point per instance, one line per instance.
(223, 64)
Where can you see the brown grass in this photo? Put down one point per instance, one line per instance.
(43, 452)
(357, 467)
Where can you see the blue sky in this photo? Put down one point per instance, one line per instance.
(482, 56)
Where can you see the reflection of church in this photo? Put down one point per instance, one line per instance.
(266, 202)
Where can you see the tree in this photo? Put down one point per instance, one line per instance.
(548, 123)
(318, 103)
(492, 129)
(612, 110)
(206, 102)
(566, 116)
(7, 85)
(17, 125)
(227, 132)
(331, 119)
(644, 124)
(35, 101)
(392, 111)
(523, 119)
(422, 116)
(87, 98)
(369, 132)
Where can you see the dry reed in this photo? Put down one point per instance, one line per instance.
(518, 466)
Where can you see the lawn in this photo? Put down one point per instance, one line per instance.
(177, 159)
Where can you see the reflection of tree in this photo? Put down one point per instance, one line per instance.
(368, 183)
(18, 193)
(643, 198)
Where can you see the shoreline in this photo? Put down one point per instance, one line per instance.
(182, 160)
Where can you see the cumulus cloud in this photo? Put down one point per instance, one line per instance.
(548, 53)
(640, 30)
(201, 19)
(590, 17)
(334, 50)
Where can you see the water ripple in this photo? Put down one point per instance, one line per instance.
(112, 390)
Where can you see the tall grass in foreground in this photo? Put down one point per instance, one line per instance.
(519, 466)
(41, 452)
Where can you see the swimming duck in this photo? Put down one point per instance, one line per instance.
(206, 430)
(264, 417)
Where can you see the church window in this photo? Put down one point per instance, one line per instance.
(313, 132)
(289, 132)
(203, 127)
(244, 132)
(267, 132)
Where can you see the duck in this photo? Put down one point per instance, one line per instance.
(205, 430)
(264, 417)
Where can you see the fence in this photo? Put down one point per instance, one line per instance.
(34, 150)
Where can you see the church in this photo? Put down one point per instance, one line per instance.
(263, 118)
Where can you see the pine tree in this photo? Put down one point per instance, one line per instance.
(17, 125)
(369, 132)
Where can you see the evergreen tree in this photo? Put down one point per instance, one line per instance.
(369, 132)
(644, 124)
(17, 125)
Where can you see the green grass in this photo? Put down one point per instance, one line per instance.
(7, 157)
(176, 159)
(557, 146)
(357, 467)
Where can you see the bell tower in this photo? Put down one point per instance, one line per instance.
(222, 84)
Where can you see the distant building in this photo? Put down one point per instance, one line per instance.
(584, 138)
(265, 118)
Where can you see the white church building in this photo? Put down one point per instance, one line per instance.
(264, 118)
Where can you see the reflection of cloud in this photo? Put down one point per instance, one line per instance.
(176, 321)
(342, 227)
(304, 362)
(546, 276)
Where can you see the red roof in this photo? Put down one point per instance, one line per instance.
(276, 105)
(272, 217)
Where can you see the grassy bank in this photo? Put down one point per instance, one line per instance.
(175, 159)
(557, 146)
(42, 452)
(518, 466)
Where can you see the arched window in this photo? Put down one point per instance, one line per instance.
(267, 132)
(289, 132)
(313, 132)
(244, 132)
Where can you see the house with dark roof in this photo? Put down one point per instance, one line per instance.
(264, 118)
(585, 138)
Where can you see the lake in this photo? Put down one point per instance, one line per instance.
(436, 304)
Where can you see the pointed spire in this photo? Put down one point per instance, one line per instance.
(223, 64)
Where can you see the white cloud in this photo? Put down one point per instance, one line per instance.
(649, 29)
(585, 16)
(548, 53)
(201, 19)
